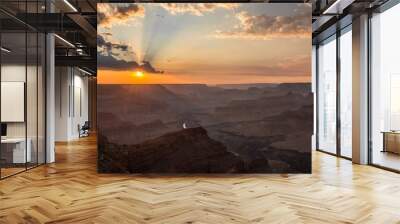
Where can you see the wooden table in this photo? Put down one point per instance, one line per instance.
(16, 148)
(391, 141)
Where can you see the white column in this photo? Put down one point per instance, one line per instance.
(50, 98)
(62, 103)
(314, 91)
(360, 89)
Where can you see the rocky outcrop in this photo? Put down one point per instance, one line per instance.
(186, 151)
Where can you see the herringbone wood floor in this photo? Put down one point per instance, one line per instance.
(70, 191)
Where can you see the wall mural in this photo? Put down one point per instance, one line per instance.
(204, 88)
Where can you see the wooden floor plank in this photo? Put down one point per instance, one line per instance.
(71, 191)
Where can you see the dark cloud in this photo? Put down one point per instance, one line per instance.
(108, 46)
(109, 62)
(101, 18)
(110, 56)
(123, 12)
(109, 14)
(103, 43)
(147, 67)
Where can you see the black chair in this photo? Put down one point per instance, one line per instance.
(84, 130)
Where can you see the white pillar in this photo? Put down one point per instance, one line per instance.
(62, 103)
(50, 98)
(314, 91)
(360, 89)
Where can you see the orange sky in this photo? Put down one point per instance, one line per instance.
(127, 77)
(217, 44)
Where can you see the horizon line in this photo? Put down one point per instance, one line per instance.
(306, 82)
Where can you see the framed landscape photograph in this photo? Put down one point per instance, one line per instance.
(204, 88)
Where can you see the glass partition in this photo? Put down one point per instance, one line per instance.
(13, 95)
(327, 95)
(346, 93)
(22, 90)
(385, 89)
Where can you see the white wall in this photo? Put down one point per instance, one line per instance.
(71, 102)
(81, 98)
(16, 73)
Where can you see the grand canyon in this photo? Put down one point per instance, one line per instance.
(198, 128)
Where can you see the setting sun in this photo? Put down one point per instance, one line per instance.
(139, 74)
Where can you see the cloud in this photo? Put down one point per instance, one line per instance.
(119, 57)
(198, 9)
(111, 14)
(109, 62)
(107, 34)
(267, 27)
(147, 67)
(108, 46)
(112, 55)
